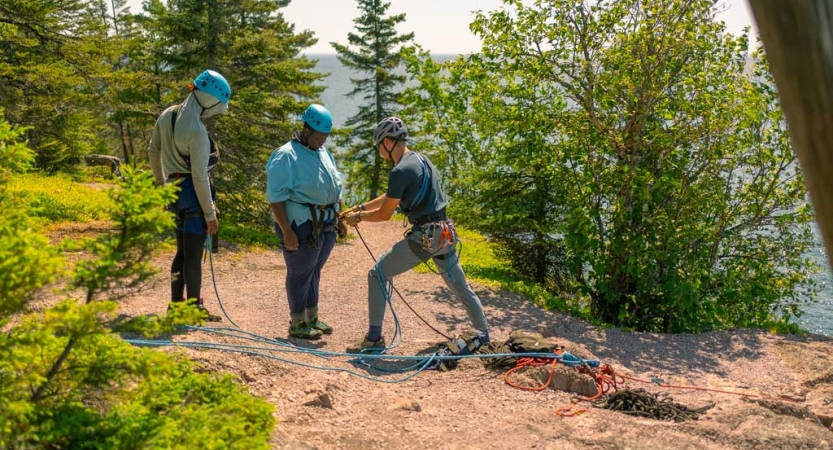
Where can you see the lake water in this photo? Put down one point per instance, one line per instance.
(818, 315)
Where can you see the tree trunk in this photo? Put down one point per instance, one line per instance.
(132, 155)
(798, 38)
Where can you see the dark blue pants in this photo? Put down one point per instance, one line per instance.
(303, 266)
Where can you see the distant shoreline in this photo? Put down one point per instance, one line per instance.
(334, 54)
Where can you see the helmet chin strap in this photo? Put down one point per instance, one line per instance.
(390, 152)
(204, 109)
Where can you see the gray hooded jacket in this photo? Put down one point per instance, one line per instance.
(167, 151)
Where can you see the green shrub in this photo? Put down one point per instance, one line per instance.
(68, 382)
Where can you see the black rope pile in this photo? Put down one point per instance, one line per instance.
(642, 403)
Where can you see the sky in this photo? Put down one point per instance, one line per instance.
(440, 26)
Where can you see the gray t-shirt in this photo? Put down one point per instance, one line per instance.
(404, 182)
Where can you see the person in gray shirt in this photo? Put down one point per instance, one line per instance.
(181, 151)
(414, 186)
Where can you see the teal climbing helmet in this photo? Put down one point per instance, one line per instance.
(318, 118)
(213, 83)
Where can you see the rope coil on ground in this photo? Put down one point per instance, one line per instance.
(641, 403)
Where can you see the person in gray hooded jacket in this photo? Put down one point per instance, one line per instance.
(181, 151)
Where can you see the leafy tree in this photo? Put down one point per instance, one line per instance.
(636, 145)
(68, 382)
(375, 52)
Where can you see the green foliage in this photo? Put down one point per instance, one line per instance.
(113, 395)
(16, 157)
(27, 262)
(57, 198)
(67, 382)
(50, 70)
(634, 152)
(123, 259)
(375, 52)
(255, 236)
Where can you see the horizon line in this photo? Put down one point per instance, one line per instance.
(336, 54)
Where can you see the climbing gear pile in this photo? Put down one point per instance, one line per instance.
(642, 403)
(519, 342)
(467, 343)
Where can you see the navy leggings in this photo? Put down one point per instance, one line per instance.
(303, 266)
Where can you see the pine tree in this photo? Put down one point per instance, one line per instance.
(258, 52)
(52, 58)
(375, 50)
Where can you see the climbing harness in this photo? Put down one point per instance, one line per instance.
(319, 221)
(436, 236)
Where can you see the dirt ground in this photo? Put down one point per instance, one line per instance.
(471, 407)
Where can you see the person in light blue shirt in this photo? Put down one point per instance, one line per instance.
(303, 188)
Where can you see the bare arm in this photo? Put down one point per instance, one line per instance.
(376, 203)
(382, 212)
(279, 213)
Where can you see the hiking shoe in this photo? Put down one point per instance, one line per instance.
(208, 316)
(368, 346)
(320, 326)
(304, 331)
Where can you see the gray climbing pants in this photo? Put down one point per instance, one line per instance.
(407, 254)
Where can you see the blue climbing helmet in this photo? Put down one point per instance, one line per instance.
(213, 83)
(318, 118)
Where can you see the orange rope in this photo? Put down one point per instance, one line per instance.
(525, 362)
(606, 379)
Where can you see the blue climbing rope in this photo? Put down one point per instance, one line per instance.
(266, 347)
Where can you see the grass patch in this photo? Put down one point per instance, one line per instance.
(50, 199)
(248, 236)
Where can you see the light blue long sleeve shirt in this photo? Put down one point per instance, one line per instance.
(299, 176)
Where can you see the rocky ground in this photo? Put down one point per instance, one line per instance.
(472, 407)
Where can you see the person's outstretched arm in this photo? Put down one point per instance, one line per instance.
(384, 210)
